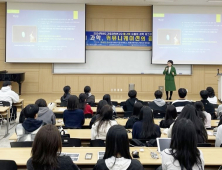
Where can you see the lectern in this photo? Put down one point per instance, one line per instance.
(219, 86)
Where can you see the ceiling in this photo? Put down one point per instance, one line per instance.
(129, 2)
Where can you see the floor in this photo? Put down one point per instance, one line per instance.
(4, 142)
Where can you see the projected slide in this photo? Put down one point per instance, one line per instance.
(187, 38)
(45, 33)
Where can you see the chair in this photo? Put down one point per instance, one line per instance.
(97, 143)
(21, 144)
(71, 142)
(158, 114)
(92, 104)
(59, 115)
(123, 105)
(145, 103)
(128, 114)
(88, 115)
(203, 145)
(8, 165)
(115, 103)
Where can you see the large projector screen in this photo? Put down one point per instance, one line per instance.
(187, 35)
(45, 33)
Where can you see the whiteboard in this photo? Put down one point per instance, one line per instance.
(117, 62)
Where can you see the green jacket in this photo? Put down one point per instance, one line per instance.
(169, 79)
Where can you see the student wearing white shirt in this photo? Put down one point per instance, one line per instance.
(211, 95)
(103, 123)
(218, 141)
(183, 152)
(8, 95)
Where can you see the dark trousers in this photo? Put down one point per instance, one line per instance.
(13, 112)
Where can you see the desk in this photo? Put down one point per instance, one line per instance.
(85, 134)
(61, 109)
(212, 156)
(122, 122)
(5, 112)
(19, 104)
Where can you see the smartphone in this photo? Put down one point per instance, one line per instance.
(88, 156)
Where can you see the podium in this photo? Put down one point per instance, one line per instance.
(219, 86)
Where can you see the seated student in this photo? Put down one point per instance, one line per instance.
(189, 112)
(203, 115)
(45, 114)
(98, 111)
(145, 128)
(73, 117)
(117, 155)
(183, 152)
(181, 102)
(83, 105)
(219, 112)
(64, 98)
(46, 149)
(8, 95)
(211, 95)
(131, 101)
(135, 117)
(218, 142)
(103, 123)
(171, 115)
(27, 130)
(107, 98)
(90, 98)
(209, 108)
(158, 104)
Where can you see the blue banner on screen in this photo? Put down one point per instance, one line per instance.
(139, 39)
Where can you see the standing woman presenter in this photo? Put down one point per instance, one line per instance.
(169, 73)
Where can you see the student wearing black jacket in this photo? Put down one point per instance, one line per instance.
(117, 154)
(131, 101)
(136, 110)
(65, 97)
(209, 108)
(158, 104)
(90, 98)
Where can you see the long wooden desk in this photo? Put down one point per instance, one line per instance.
(58, 101)
(5, 112)
(61, 109)
(85, 134)
(212, 156)
(59, 122)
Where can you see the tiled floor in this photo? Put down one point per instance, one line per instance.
(4, 142)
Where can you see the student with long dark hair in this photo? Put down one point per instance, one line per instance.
(203, 115)
(117, 155)
(103, 123)
(46, 149)
(183, 153)
(64, 98)
(107, 97)
(98, 111)
(211, 95)
(171, 114)
(45, 114)
(145, 128)
(189, 112)
(90, 98)
(73, 117)
(135, 117)
(83, 105)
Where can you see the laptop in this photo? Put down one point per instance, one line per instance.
(163, 143)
